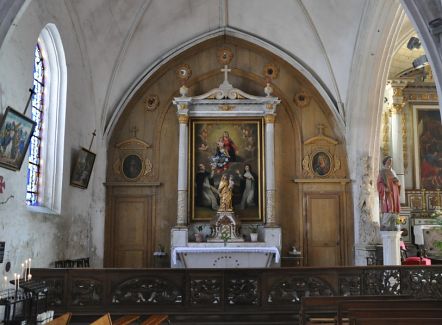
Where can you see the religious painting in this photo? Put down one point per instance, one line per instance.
(82, 171)
(15, 135)
(132, 166)
(321, 163)
(428, 136)
(232, 148)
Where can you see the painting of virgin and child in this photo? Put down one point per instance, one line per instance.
(231, 148)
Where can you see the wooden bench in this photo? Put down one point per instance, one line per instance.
(324, 309)
(156, 320)
(61, 320)
(124, 320)
(397, 311)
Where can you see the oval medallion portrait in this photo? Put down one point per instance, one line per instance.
(321, 164)
(132, 167)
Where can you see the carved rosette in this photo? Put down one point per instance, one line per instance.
(224, 56)
(270, 71)
(302, 99)
(151, 103)
(182, 208)
(183, 72)
(146, 290)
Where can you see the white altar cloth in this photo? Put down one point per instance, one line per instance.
(218, 254)
(418, 231)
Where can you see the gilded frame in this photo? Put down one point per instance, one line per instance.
(321, 162)
(220, 154)
(427, 131)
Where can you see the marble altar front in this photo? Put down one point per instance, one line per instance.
(210, 255)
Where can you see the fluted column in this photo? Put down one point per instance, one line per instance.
(183, 119)
(270, 169)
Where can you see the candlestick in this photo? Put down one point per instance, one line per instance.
(29, 276)
(15, 281)
(26, 270)
(18, 281)
(6, 282)
(29, 265)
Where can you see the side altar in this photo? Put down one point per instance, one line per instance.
(226, 179)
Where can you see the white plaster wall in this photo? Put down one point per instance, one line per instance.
(78, 231)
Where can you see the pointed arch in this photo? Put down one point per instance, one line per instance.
(50, 180)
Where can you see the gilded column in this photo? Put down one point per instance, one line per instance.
(396, 135)
(270, 169)
(183, 119)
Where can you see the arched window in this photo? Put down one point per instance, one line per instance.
(45, 168)
(37, 112)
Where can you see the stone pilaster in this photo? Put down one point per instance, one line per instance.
(183, 119)
(270, 169)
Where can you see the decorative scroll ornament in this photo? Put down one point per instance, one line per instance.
(224, 55)
(151, 103)
(146, 290)
(302, 99)
(292, 289)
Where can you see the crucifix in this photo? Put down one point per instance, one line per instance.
(133, 131)
(321, 128)
(92, 140)
(226, 70)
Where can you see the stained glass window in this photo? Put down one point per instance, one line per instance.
(37, 110)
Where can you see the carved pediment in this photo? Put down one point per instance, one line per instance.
(132, 162)
(320, 159)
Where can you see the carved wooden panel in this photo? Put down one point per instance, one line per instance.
(323, 224)
(132, 226)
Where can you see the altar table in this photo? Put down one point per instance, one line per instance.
(226, 257)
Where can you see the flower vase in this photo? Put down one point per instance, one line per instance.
(253, 237)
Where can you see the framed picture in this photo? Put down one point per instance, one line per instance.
(428, 144)
(15, 134)
(232, 148)
(321, 163)
(82, 168)
(132, 167)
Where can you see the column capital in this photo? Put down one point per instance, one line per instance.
(269, 119)
(183, 119)
(397, 108)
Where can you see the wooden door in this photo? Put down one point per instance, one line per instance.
(132, 226)
(322, 230)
